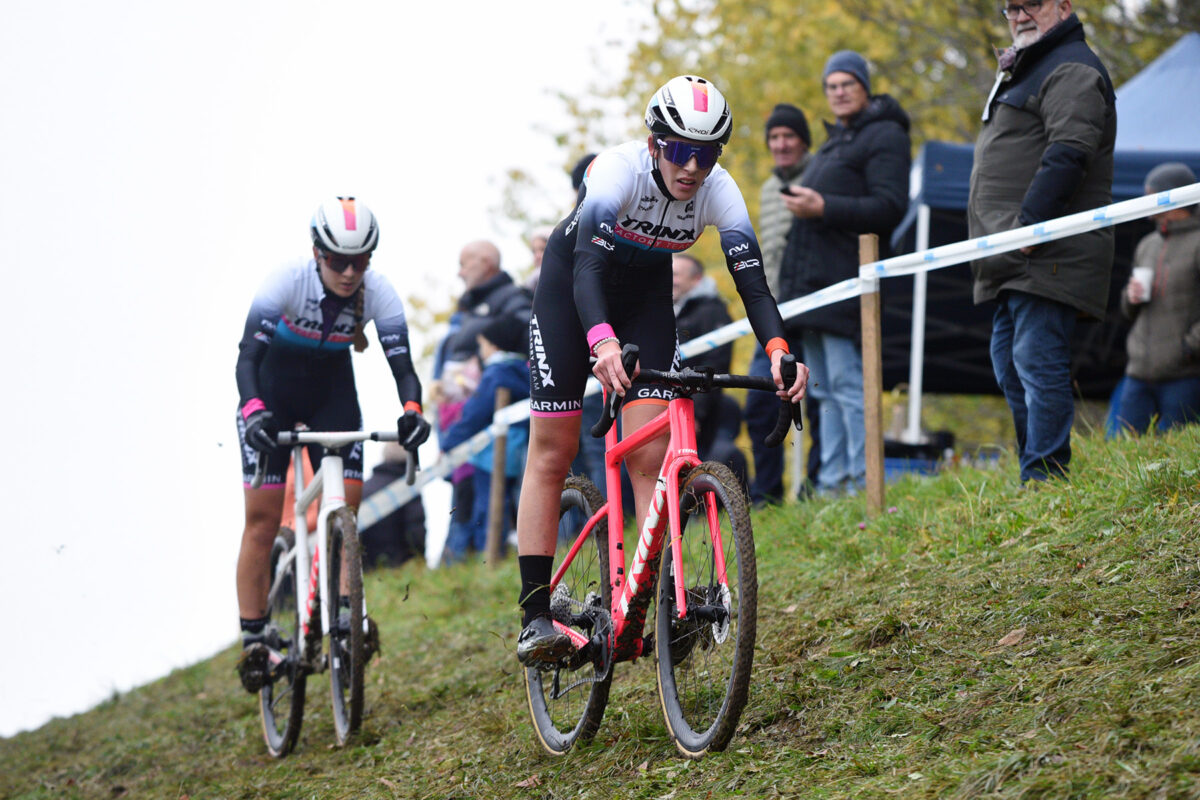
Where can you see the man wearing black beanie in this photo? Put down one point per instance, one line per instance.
(788, 139)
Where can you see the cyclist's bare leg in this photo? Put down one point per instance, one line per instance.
(264, 509)
(645, 462)
(553, 442)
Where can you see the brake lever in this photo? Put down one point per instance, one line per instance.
(412, 467)
(789, 413)
(629, 359)
(260, 471)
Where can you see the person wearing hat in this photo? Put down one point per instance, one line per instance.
(856, 183)
(503, 350)
(1162, 376)
(1044, 151)
(788, 140)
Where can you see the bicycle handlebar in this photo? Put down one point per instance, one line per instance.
(331, 439)
(704, 380)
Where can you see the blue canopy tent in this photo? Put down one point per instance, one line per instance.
(935, 339)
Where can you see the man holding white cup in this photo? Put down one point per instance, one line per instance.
(1162, 298)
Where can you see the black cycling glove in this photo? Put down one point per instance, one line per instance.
(261, 431)
(413, 429)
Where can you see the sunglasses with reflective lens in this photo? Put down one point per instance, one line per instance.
(680, 153)
(338, 263)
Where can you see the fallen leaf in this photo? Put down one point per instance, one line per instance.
(1011, 638)
(530, 782)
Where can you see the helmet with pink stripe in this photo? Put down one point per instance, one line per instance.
(692, 108)
(345, 226)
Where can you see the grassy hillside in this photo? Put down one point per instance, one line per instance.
(977, 641)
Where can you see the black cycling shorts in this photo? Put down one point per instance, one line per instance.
(640, 313)
(319, 392)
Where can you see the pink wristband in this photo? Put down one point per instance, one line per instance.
(598, 332)
(252, 405)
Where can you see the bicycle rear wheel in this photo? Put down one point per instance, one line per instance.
(704, 658)
(567, 700)
(281, 699)
(346, 637)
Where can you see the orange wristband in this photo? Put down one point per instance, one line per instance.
(776, 344)
(412, 405)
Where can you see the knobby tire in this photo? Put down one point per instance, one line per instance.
(575, 715)
(281, 699)
(704, 665)
(346, 667)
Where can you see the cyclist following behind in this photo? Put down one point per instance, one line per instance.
(606, 279)
(294, 366)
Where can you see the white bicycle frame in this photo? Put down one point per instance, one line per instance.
(328, 483)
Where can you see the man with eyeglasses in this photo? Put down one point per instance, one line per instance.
(294, 366)
(856, 183)
(1045, 150)
(607, 279)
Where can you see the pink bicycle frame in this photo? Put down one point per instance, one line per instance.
(631, 585)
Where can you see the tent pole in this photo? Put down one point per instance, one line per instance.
(916, 363)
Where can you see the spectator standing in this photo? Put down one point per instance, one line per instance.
(1162, 377)
(856, 183)
(788, 140)
(400, 535)
(502, 349)
(489, 293)
(699, 308)
(1045, 150)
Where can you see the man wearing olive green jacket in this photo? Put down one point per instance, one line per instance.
(1045, 151)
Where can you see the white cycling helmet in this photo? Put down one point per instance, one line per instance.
(691, 107)
(344, 226)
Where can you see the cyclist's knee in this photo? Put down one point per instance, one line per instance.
(550, 455)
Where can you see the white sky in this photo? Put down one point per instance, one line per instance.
(156, 162)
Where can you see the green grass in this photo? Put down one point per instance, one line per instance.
(887, 666)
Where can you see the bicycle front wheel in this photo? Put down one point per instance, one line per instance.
(567, 699)
(281, 699)
(705, 656)
(346, 637)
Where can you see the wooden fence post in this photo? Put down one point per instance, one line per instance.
(872, 365)
(496, 528)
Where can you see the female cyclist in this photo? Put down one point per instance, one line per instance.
(294, 366)
(606, 279)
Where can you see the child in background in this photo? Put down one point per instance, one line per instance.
(503, 350)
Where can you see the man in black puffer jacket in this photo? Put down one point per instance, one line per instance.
(856, 183)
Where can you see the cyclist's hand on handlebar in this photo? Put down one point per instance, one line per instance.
(413, 429)
(795, 393)
(608, 369)
(261, 431)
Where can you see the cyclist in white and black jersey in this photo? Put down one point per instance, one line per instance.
(294, 366)
(606, 279)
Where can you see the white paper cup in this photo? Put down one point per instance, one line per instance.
(1144, 278)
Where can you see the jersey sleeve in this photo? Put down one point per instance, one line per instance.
(611, 180)
(743, 257)
(383, 305)
(266, 310)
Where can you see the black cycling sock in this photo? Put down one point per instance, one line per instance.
(535, 586)
(253, 627)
